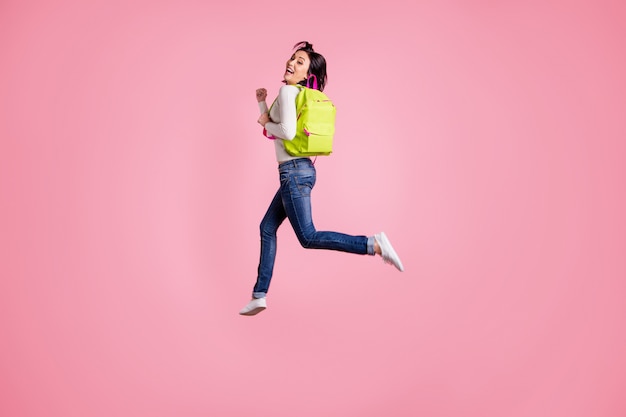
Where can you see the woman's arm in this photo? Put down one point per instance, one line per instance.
(286, 129)
(261, 95)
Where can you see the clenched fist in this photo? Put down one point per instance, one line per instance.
(261, 94)
(264, 119)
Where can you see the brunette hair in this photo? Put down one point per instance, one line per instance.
(317, 66)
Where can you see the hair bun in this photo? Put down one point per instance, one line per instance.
(305, 46)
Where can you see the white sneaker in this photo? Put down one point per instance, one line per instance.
(389, 255)
(255, 306)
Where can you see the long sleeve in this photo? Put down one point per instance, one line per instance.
(285, 126)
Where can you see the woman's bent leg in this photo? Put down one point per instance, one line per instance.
(296, 185)
(269, 225)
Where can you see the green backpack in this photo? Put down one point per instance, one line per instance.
(315, 124)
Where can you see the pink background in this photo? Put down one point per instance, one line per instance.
(486, 139)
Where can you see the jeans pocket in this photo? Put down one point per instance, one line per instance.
(305, 184)
(284, 179)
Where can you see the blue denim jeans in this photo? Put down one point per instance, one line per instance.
(293, 201)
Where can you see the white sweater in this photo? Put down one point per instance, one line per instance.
(283, 120)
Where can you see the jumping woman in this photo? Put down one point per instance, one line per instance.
(297, 178)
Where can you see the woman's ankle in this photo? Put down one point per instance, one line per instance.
(377, 249)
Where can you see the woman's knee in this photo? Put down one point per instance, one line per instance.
(267, 229)
(307, 240)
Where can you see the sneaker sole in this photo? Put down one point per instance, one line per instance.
(253, 312)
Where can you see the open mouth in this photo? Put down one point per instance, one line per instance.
(289, 71)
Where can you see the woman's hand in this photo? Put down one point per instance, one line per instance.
(261, 94)
(264, 119)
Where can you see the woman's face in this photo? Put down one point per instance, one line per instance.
(297, 68)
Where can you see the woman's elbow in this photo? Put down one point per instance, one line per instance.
(290, 134)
